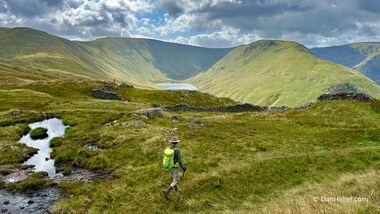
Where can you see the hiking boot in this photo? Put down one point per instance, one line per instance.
(177, 189)
(166, 194)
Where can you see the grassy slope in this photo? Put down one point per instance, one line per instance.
(180, 62)
(363, 57)
(237, 162)
(141, 62)
(277, 73)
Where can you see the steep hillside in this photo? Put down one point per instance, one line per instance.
(278, 73)
(363, 57)
(137, 61)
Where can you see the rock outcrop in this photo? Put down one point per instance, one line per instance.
(150, 112)
(106, 95)
(124, 85)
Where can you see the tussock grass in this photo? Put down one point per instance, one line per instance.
(39, 133)
(375, 105)
(316, 197)
(35, 182)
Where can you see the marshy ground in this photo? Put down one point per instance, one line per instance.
(267, 162)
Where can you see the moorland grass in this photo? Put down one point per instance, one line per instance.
(237, 162)
(35, 182)
(39, 133)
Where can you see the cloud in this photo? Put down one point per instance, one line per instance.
(212, 23)
(85, 19)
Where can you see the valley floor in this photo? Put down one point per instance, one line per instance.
(268, 162)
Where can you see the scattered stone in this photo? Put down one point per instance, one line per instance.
(124, 85)
(175, 119)
(136, 123)
(172, 131)
(111, 123)
(6, 202)
(30, 202)
(109, 88)
(92, 147)
(16, 112)
(4, 210)
(306, 106)
(106, 95)
(196, 122)
(22, 207)
(47, 115)
(46, 159)
(156, 105)
(278, 108)
(151, 112)
(361, 97)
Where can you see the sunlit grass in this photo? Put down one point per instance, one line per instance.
(237, 162)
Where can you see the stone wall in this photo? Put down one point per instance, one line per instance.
(232, 108)
(246, 107)
(346, 96)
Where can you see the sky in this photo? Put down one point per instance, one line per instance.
(207, 23)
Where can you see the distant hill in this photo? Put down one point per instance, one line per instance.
(266, 72)
(137, 61)
(276, 73)
(363, 57)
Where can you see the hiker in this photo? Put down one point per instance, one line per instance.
(172, 158)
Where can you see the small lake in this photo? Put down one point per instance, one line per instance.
(42, 160)
(178, 86)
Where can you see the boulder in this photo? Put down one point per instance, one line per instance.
(106, 95)
(175, 119)
(124, 85)
(136, 123)
(151, 112)
(109, 88)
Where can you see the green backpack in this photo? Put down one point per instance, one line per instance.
(168, 160)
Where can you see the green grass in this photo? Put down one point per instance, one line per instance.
(375, 105)
(39, 133)
(237, 162)
(193, 98)
(141, 62)
(363, 57)
(275, 73)
(35, 182)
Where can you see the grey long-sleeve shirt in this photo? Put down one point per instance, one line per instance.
(177, 156)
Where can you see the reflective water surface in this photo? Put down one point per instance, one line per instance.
(42, 160)
(178, 86)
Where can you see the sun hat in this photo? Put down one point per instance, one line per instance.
(174, 139)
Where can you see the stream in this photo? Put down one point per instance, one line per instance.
(42, 160)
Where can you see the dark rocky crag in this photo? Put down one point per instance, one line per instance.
(106, 95)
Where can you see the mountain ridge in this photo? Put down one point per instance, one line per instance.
(362, 56)
(275, 73)
(135, 60)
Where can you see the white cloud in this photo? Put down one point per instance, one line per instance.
(216, 23)
(228, 37)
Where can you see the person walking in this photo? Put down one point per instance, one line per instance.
(173, 159)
